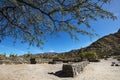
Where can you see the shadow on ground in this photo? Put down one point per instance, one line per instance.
(60, 74)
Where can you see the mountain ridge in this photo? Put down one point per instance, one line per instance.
(107, 45)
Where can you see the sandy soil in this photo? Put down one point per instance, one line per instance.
(94, 71)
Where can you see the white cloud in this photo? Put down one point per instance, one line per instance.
(51, 51)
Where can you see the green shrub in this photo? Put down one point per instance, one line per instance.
(88, 55)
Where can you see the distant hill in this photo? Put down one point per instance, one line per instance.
(107, 45)
(45, 54)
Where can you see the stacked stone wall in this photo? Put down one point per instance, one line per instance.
(71, 70)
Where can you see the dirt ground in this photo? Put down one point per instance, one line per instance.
(94, 71)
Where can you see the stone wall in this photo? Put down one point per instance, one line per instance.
(19, 60)
(39, 61)
(71, 70)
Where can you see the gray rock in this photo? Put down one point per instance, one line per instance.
(71, 70)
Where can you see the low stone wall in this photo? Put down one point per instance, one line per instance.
(71, 70)
(39, 61)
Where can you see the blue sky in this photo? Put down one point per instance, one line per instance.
(63, 42)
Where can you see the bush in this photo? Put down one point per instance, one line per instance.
(88, 55)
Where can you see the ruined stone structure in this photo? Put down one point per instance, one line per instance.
(32, 61)
(71, 70)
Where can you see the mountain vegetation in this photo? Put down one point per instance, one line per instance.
(104, 47)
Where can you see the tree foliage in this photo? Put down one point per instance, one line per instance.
(13, 55)
(32, 20)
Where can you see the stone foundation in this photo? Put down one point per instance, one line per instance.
(71, 70)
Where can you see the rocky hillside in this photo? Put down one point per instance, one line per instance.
(107, 45)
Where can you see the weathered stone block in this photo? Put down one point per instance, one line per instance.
(71, 70)
(32, 61)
